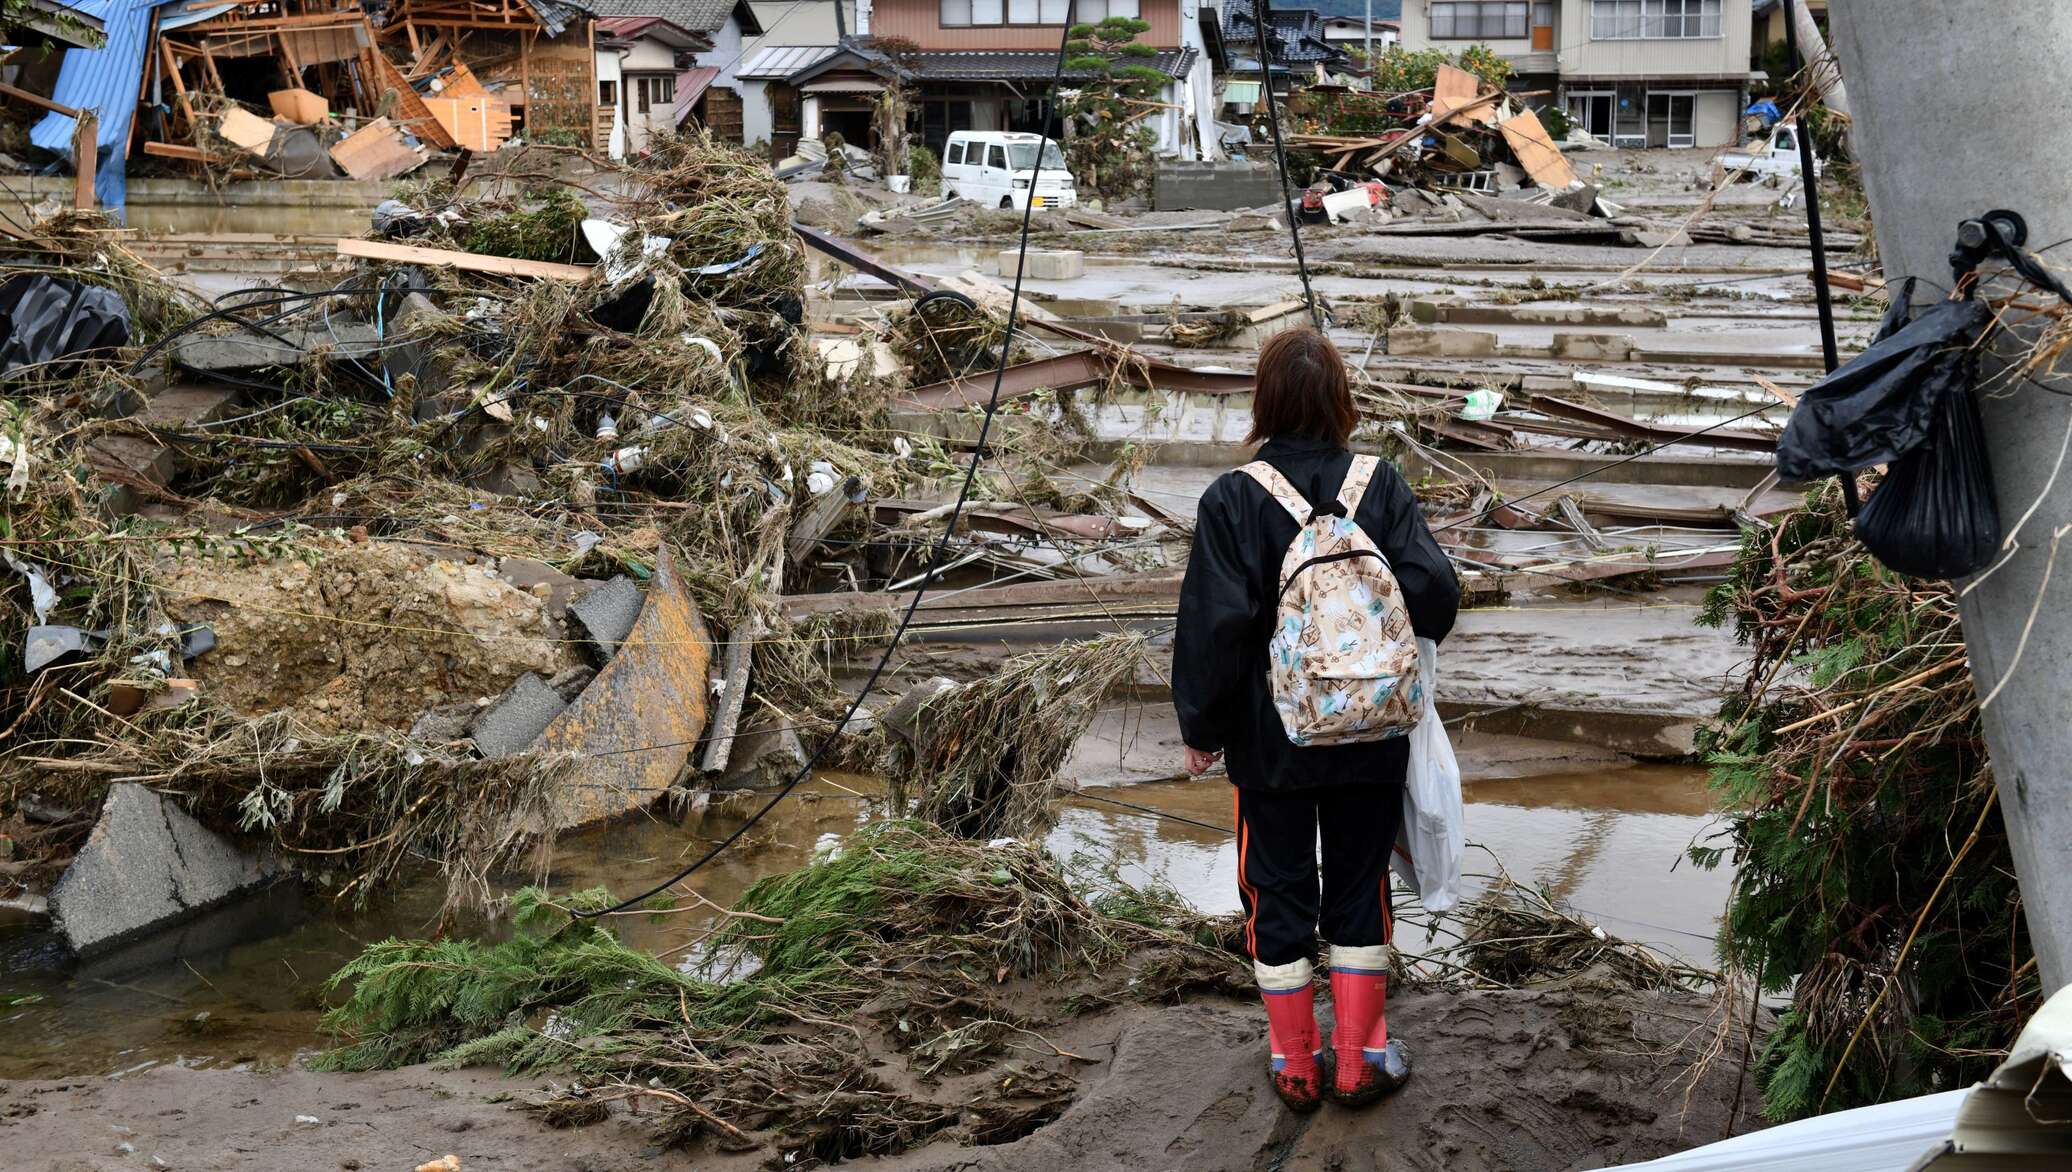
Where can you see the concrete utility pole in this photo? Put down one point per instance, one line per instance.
(1812, 48)
(1958, 112)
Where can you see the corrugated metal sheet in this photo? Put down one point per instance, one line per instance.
(690, 86)
(105, 80)
(777, 62)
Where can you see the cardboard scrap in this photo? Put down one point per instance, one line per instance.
(242, 128)
(298, 106)
(1536, 151)
(377, 151)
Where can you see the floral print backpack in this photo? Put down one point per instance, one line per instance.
(1342, 662)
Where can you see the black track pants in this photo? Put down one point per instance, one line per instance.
(1277, 847)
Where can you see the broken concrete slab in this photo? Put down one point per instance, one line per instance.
(246, 351)
(764, 756)
(1592, 347)
(514, 720)
(1046, 264)
(637, 722)
(147, 865)
(607, 612)
(1427, 342)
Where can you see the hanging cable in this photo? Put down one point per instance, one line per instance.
(1280, 157)
(936, 558)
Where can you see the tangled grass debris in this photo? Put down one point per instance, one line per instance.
(1873, 881)
(906, 940)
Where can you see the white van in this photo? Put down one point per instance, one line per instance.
(996, 169)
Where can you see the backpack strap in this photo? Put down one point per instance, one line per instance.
(1277, 486)
(1357, 478)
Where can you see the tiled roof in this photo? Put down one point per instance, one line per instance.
(628, 27)
(1026, 65)
(777, 62)
(698, 16)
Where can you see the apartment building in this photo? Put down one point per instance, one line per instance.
(1636, 73)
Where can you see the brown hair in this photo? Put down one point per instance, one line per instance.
(1301, 389)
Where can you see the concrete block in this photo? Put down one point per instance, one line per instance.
(904, 717)
(148, 866)
(1433, 342)
(185, 406)
(247, 351)
(1592, 347)
(607, 612)
(517, 718)
(763, 757)
(652, 697)
(1049, 264)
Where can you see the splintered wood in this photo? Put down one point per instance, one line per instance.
(377, 151)
(411, 108)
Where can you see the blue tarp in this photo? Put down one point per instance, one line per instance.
(104, 80)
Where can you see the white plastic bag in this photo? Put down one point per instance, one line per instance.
(1430, 846)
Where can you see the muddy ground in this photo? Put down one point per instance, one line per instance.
(1580, 1075)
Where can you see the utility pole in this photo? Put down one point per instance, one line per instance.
(1935, 154)
(1367, 35)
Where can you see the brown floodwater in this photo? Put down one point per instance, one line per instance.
(1609, 841)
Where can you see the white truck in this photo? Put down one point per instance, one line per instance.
(999, 169)
(1775, 154)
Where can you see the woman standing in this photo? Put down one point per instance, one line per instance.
(1288, 798)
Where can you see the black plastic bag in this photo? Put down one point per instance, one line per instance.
(45, 318)
(1934, 515)
(1884, 402)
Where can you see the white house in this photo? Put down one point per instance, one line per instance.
(638, 61)
(1638, 73)
(1353, 30)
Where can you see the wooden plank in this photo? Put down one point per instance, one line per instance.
(1536, 151)
(377, 151)
(242, 128)
(173, 150)
(37, 100)
(86, 151)
(1453, 95)
(503, 266)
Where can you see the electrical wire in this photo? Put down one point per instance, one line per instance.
(906, 620)
(1260, 15)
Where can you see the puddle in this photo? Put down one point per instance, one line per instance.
(1609, 841)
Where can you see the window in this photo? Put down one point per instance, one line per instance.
(970, 13)
(651, 93)
(955, 155)
(1488, 20)
(607, 93)
(1024, 154)
(1633, 20)
(996, 157)
(1096, 11)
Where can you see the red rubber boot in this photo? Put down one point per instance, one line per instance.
(1370, 1066)
(1291, 1029)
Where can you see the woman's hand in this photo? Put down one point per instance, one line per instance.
(1198, 761)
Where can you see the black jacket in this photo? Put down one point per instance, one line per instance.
(1227, 605)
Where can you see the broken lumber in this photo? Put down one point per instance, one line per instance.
(1536, 151)
(376, 152)
(470, 262)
